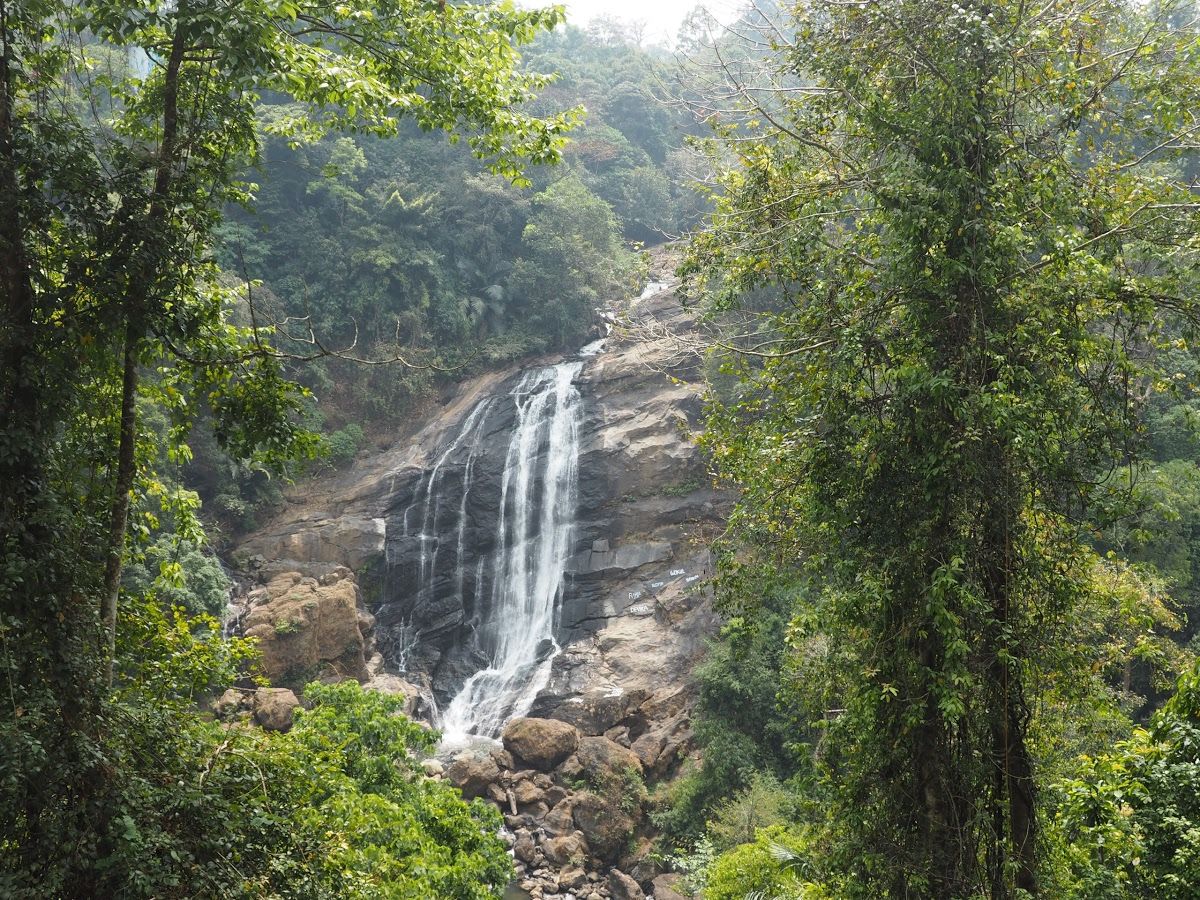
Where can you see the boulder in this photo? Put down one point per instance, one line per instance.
(622, 887)
(394, 685)
(503, 759)
(648, 748)
(274, 708)
(570, 771)
(606, 763)
(567, 850)
(561, 819)
(643, 864)
(230, 703)
(605, 825)
(306, 629)
(524, 848)
(572, 879)
(666, 887)
(526, 792)
(675, 750)
(619, 734)
(472, 774)
(541, 743)
(535, 812)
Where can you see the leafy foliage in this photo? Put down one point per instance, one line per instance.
(123, 129)
(337, 807)
(178, 573)
(768, 867)
(741, 726)
(974, 233)
(1129, 824)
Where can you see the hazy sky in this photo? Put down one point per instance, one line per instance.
(662, 17)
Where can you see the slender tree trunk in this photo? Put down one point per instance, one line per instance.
(18, 393)
(948, 846)
(123, 489)
(1013, 800)
(1021, 795)
(145, 269)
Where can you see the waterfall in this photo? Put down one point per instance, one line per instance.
(533, 543)
(422, 520)
(432, 505)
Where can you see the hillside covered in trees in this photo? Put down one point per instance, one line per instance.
(946, 267)
(953, 265)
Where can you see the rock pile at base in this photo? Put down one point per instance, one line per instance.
(575, 807)
(272, 709)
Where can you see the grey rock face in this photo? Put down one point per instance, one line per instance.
(634, 612)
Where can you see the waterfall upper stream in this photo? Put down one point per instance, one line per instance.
(511, 579)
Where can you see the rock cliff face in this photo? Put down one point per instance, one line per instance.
(428, 530)
(633, 610)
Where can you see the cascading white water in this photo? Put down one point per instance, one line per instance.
(431, 507)
(533, 544)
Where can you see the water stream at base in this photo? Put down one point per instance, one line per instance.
(533, 543)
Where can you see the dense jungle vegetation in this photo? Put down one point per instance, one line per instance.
(955, 248)
(951, 256)
(206, 211)
(407, 248)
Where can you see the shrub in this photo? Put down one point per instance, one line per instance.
(344, 444)
(773, 867)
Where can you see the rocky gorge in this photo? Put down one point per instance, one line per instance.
(529, 569)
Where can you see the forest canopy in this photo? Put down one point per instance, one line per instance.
(955, 246)
(126, 130)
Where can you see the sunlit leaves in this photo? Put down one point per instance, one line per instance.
(959, 237)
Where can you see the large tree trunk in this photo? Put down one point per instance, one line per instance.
(18, 390)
